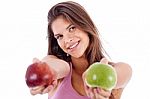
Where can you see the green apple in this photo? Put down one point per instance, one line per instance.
(101, 75)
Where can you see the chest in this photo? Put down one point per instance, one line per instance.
(77, 83)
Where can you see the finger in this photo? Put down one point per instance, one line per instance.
(91, 93)
(35, 60)
(33, 92)
(87, 90)
(98, 95)
(48, 89)
(104, 61)
(36, 90)
(54, 82)
(105, 93)
(83, 75)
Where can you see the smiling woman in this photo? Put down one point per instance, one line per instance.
(73, 37)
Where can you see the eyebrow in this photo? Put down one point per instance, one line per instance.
(69, 26)
(66, 29)
(56, 35)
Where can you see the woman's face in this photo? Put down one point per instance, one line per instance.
(71, 39)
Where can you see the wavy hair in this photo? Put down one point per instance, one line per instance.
(77, 15)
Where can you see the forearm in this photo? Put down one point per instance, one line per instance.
(60, 67)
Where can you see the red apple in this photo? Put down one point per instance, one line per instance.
(39, 74)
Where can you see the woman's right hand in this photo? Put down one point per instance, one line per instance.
(43, 89)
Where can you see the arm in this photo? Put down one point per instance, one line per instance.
(59, 66)
(60, 69)
(124, 73)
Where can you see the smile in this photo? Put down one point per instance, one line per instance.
(70, 48)
(74, 45)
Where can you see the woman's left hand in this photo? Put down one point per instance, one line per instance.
(96, 92)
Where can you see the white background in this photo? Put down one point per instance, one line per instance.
(123, 24)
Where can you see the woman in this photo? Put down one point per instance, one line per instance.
(73, 37)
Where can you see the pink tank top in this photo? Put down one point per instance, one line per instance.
(66, 91)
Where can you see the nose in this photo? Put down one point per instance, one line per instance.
(68, 38)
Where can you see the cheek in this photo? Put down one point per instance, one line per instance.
(87, 40)
(61, 45)
(87, 44)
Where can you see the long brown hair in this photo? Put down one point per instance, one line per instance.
(77, 15)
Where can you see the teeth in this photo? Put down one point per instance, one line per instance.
(74, 45)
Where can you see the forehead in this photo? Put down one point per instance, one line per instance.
(59, 25)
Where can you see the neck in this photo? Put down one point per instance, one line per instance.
(79, 64)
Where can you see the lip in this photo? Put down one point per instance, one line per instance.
(73, 46)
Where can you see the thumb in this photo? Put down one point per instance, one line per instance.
(104, 61)
(83, 76)
(35, 60)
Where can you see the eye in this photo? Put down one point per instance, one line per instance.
(58, 37)
(72, 29)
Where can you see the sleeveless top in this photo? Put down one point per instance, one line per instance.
(66, 91)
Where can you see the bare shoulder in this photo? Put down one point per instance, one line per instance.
(124, 73)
